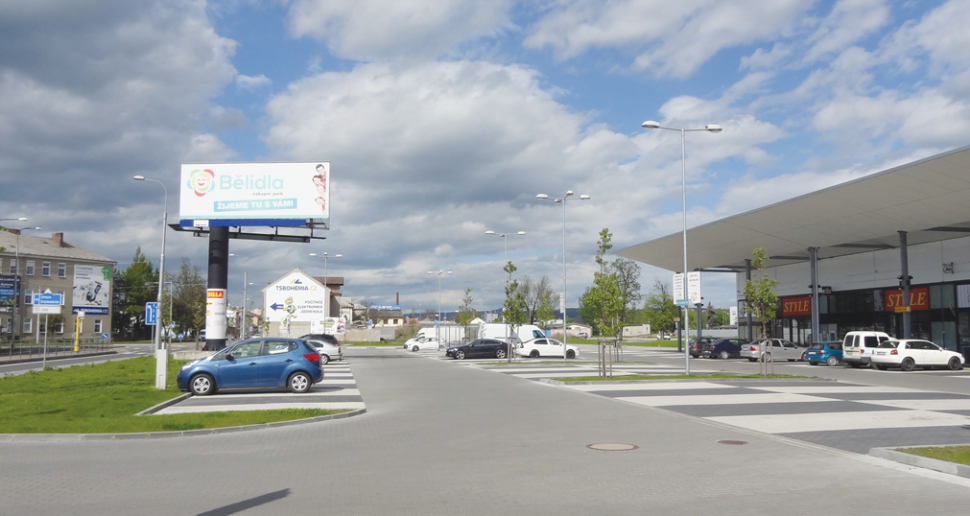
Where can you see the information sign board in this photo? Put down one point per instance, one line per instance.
(694, 287)
(151, 313)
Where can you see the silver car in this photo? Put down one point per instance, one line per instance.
(328, 351)
(772, 349)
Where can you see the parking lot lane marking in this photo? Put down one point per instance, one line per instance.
(830, 389)
(936, 405)
(179, 409)
(565, 374)
(654, 386)
(720, 399)
(313, 390)
(839, 421)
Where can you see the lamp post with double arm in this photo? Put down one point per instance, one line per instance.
(161, 354)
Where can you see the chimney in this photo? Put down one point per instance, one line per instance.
(58, 239)
(397, 298)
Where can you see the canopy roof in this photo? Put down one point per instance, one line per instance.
(929, 198)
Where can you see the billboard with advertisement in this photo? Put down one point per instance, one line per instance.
(215, 313)
(256, 192)
(9, 293)
(92, 290)
(295, 298)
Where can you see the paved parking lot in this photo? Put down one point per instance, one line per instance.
(338, 390)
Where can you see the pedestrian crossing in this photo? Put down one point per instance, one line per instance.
(337, 391)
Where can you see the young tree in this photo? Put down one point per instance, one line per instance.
(659, 309)
(605, 298)
(628, 278)
(465, 311)
(514, 309)
(546, 310)
(535, 293)
(711, 315)
(188, 297)
(760, 297)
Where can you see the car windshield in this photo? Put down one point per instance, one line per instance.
(889, 344)
(817, 346)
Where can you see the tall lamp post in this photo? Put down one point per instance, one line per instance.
(246, 283)
(161, 354)
(562, 302)
(439, 273)
(326, 290)
(16, 280)
(711, 128)
(505, 238)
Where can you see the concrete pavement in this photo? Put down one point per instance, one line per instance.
(440, 439)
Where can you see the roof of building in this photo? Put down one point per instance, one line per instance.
(929, 199)
(48, 247)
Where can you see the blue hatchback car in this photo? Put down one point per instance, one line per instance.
(253, 363)
(828, 352)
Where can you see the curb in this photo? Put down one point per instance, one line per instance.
(744, 380)
(41, 359)
(164, 404)
(163, 435)
(942, 466)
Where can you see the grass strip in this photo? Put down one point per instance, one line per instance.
(678, 377)
(957, 454)
(103, 398)
(653, 344)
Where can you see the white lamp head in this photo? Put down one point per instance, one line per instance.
(338, 256)
(584, 197)
(139, 178)
(650, 124)
(542, 196)
(490, 232)
(714, 128)
(569, 193)
(22, 219)
(313, 255)
(521, 233)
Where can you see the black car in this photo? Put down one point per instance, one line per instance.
(725, 348)
(326, 337)
(697, 345)
(479, 348)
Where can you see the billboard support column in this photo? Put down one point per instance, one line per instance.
(218, 280)
(747, 312)
(816, 324)
(904, 280)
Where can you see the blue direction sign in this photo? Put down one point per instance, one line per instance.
(47, 299)
(682, 302)
(151, 313)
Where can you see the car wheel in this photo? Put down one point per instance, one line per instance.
(725, 355)
(500, 353)
(907, 364)
(202, 385)
(812, 363)
(415, 349)
(570, 354)
(832, 361)
(459, 355)
(766, 357)
(534, 353)
(804, 356)
(324, 359)
(955, 364)
(299, 382)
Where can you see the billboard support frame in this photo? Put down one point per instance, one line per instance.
(238, 234)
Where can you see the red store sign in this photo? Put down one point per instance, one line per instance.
(919, 299)
(793, 306)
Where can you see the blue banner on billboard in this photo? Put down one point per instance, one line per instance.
(9, 293)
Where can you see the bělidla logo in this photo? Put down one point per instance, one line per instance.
(202, 181)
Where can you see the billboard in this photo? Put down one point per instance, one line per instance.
(260, 192)
(92, 289)
(9, 294)
(296, 298)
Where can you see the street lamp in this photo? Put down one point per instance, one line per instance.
(161, 354)
(439, 273)
(21, 219)
(326, 291)
(505, 238)
(16, 280)
(562, 302)
(242, 335)
(711, 128)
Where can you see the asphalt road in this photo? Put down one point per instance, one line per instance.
(445, 438)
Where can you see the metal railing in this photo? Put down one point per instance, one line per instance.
(56, 348)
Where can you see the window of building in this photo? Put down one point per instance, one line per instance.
(1, 265)
(97, 326)
(27, 321)
(30, 267)
(59, 327)
(28, 297)
(45, 269)
(13, 266)
(61, 270)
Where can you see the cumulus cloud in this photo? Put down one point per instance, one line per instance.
(247, 82)
(668, 38)
(371, 30)
(849, 21)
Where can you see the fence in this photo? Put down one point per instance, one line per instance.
(62, 348)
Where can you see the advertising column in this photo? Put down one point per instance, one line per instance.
(215, 314)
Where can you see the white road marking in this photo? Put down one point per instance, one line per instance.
(837, 421)
(722, 399)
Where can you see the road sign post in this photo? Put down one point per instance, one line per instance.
(46, 303)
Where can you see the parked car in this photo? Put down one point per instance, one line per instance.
(328, 351)
(908, 354)
(326, 337)
(774, 350)
(479, 348)
(268, 362)
(582, 335)
(545, 347)
(827, 352)
(859, 346)
(696, 345)
(421, 342)
(724, 349)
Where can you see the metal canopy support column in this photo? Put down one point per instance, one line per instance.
(680, 324)
(904, 280)
(813, 263)
(218, 281)
(747, 272)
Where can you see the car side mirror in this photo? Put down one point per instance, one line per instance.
(230, 357)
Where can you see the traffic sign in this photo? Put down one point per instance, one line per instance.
(46, 309)
(105, 336)
(682, 302)
(902, 309)
(48, 299)
(151, 313)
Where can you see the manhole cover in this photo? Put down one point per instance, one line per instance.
(612, 447)
(728, 441)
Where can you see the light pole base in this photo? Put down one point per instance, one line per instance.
(161, 368)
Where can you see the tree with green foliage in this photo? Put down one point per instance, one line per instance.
(604, 301)
(465, 311)
(628, 278)
(760, 297)
(189, 297)
(131, 289)
(514, 309)
(546, 310)
(659, 309)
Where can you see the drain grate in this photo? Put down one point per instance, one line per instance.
(729, 441)
(612, 447)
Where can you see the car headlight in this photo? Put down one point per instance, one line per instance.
(190, 364)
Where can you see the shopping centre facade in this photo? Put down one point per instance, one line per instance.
(863, 243)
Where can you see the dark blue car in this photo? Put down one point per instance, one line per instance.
(254, 363)
(828, 352)
(725, 348)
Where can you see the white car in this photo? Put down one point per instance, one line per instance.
(908, 354)
(421, 342)
(328, 350)
(545, 347)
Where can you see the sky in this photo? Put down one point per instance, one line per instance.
(443, 120)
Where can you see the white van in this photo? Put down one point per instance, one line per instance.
(858, 347)
(447, 333)
(502, 332)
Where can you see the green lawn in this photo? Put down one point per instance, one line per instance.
(675, 377)
(104, 398)
(653, 344)
(958, 454)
